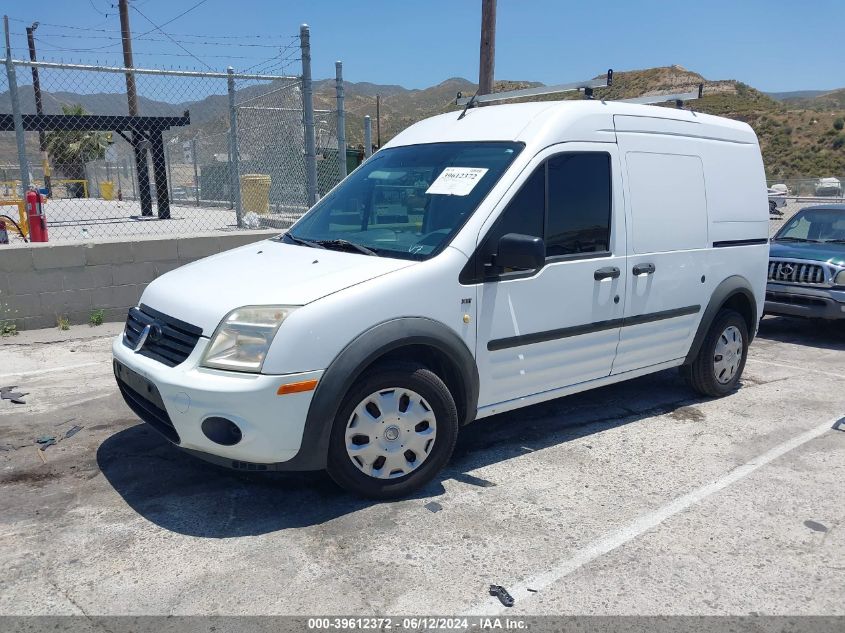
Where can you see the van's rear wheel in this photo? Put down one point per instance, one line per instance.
(395, 430)
(718, 367)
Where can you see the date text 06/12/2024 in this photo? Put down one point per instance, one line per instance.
(416, 624)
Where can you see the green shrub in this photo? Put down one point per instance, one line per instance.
(839, 123)
(62, 322)
(97, 317)
(7, 326)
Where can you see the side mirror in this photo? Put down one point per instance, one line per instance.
(520, 252)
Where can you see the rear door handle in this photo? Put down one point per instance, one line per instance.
(611, 272)
(643, 269)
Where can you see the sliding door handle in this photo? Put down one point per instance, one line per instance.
(611, 272)
(643, 269)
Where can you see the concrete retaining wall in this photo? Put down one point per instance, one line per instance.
(41, 282)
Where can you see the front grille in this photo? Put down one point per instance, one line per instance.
(170, 341)
(144, 399)
(796, 272)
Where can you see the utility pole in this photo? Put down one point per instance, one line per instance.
(378, 121)
(39, 107)
(126, 37)
(487, 57)
(139, 142)
(17, 117)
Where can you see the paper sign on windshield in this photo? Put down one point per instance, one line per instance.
(457, 181)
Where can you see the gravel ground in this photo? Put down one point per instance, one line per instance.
(635, 499)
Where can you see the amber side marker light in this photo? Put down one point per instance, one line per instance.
(296, 387)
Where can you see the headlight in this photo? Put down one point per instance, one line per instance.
(242, 339)
(839, 280)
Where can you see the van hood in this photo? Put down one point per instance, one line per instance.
(263, 273)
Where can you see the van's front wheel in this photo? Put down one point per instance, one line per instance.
(718, 367)
(395, 430)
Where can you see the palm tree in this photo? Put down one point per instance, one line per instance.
(71, 149)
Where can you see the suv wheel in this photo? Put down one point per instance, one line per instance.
(718, 367)
(395, 430)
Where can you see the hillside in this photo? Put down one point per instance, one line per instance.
(830, 100)
(797, 139)
(797, 132)
(795, 94)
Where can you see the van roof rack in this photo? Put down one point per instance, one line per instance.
(587, 86)
(679, 98)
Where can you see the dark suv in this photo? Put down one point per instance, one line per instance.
(807, 265)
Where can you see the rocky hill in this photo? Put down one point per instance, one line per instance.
(798, 135)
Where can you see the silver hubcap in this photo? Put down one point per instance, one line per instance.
(728, 354)
(390, 433)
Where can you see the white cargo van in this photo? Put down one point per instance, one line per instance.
(472, 266)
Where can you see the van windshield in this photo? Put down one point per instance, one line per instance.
(406, 202)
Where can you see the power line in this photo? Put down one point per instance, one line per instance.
(97, 30)
(279, 60)
(157, 27)
(51, 47)
(93, 6)
(159, 39)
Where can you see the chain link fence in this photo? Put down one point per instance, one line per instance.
(198, 152)
(824, 188)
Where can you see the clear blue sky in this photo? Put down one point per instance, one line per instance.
(774, 45)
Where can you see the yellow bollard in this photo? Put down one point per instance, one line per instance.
(21, 205)
(24, 223)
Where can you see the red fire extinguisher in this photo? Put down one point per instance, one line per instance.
(37, 219)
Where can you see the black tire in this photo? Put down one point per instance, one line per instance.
(701, 374)
(403, 375)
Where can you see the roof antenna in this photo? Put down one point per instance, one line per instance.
(468, 105)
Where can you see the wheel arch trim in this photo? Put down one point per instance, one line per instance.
(735, 285)
(361, 352)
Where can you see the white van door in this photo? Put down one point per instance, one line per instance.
(557, 326)
(667, 225)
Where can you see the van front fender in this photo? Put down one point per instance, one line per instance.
(362, 352)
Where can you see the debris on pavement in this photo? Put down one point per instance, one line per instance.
(815, 526)
(502, 594)
(472, 480)
(46, 440)
(433, 506)
(9, 393)
(72, 431)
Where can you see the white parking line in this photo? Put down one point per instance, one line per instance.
(36, 372)
(642, 524)
(796, 368)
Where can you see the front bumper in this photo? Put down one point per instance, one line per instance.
(178, 399)
(813, 303)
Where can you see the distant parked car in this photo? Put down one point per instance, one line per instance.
(807, 265)
(777, 200)
(828, 187)
(780, 188)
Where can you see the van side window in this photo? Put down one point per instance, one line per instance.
(578, 219)
(524, 213)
